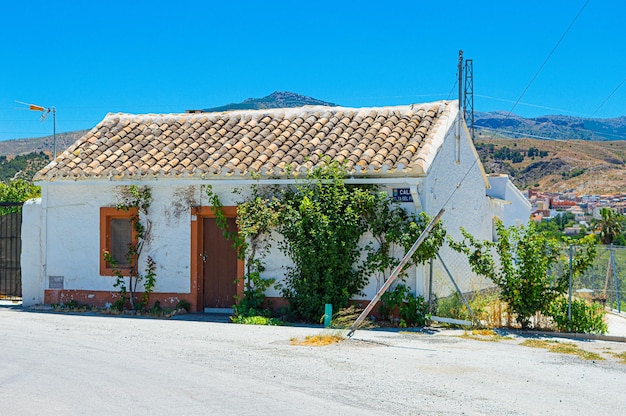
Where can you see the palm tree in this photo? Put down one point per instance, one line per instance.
(610, 225)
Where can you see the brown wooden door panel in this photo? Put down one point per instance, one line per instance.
(220, 265)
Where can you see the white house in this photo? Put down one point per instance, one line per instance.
(421, 151)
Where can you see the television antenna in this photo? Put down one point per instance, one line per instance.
(45, 112)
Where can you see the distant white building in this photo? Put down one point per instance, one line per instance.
(510, 204)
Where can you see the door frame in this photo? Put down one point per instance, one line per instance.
(198, 214)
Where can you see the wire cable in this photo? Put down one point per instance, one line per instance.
(609, 97)
(546, 60)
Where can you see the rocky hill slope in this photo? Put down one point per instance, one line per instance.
(582, 167)
(554, 127)
(277, 99)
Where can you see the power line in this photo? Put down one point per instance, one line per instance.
(534, 136)
(534, 105)
(546, 60)
(609, 97)
(531, 136)
(453, 87)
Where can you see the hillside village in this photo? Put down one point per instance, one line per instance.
(584, 208)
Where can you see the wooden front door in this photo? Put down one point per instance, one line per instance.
(219, 265)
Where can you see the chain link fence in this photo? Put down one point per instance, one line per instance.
(457, 295)
(605, 283)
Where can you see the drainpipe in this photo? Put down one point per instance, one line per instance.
(419, 278)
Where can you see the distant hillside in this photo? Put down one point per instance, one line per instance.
(583, 167)
(40, 144)
(497, 124)
(277, 99)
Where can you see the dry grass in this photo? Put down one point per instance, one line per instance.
(621, 357)
(562, 348)
(484, 332)
(487, 335)
(320, 340)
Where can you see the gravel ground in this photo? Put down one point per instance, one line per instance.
(102, 365)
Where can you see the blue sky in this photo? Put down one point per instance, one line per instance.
(91, 58)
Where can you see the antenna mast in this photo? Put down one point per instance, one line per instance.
(468, 101)
(460, 113)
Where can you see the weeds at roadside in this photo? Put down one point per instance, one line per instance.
(71, 306)
(346, 317)
(562, 348)
(320, 340)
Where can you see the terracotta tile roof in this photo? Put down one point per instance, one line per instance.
(385, 141)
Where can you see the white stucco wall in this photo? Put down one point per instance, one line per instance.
(65, 225)
(457, 183)
(32, 262)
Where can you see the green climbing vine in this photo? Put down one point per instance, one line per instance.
(136, 200)
(256, 217)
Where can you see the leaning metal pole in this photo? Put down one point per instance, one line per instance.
(394, 274)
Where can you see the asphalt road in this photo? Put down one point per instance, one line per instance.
(53, 364)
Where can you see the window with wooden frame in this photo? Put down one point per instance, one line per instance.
(116, 236)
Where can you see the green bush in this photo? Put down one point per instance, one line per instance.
(256, 320)
(452, 307)
(412, 310)
(390, 300)
(253, 300)
(587, 318)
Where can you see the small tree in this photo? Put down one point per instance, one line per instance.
(17, 190)
(323, 221)
(522, 270)
(256, 218)
(322, 224)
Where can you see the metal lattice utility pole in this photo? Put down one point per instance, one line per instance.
(468, 96)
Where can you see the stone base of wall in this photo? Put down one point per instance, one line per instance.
(102, 299)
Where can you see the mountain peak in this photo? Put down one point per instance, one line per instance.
(277, 99)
